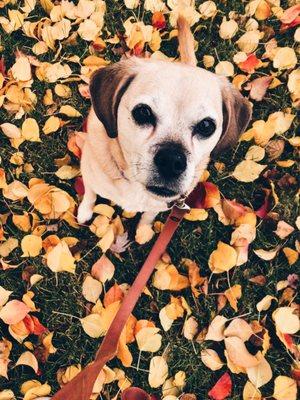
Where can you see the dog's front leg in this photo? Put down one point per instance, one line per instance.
(147, 218)
(85, 210)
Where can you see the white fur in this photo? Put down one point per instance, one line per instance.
(180, 96)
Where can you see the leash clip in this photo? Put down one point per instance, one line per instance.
(181, 204)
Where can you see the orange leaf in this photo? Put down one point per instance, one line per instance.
(114, 294)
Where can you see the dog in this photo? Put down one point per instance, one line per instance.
(152, 127)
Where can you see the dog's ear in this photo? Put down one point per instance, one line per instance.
(237, 113)
(107, 86)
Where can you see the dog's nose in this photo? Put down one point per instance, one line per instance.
(170, 161)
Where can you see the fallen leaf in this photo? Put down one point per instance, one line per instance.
(285, 319)
(222, 388)
(238, 353)
(148, 339)
(28, 359)
(285, 388)
(250, 392)
(91, 289)
(13, 312)
(216, 329)
(158, 371)
(222, 259)
(283, 229)
(248, 171)
(211, 360)
(260, 374)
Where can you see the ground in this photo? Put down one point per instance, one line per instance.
(58, 297)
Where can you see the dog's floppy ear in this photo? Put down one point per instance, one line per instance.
(107, 86)
(237, 113)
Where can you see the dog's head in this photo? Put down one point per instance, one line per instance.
(168, 118)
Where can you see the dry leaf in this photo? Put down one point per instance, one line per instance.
(248, 171)
(238, 353)
(31, 245)
(222, 259)
(216, 329)
(239, 328)
(286, 320)
(28, 359)
(13, 312)
(158, 371)
(211, 360)
(250, 392)
(92, 325)
(283, 229)
(91, 289)
(285, 388)
(148, 339)
(260, 374)
(60, 259)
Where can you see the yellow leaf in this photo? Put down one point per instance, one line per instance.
(47, 5)
(216, 329)
(28, 359)
(238, 353)
(286, 320)
(211, 359)
(4, 296)
(228, 28)
(291, 255)
(107, 239)
(248, 171)
(91, 289)
(170, 279)
(31, 130)
(34, 389)
(248, 42)
(148, 339)
(190, 328)
(222, 259)
(158, 371)
(92, 325)
(60, 259)
(11, 131)
(239, 328)
(267, 255)
(7, 395)
(285, 388)
(250, 392)
(285, 163)
(224, 68)
(31, 245)
(51, 125)
(69, 111)
(8, 246)
(196, 214)
(285, 58)
(265, 303)
(104, 209)
(21, 69)
(16, 190)
(260, 374)
(233, 294)
(67, 172)
(255, 153)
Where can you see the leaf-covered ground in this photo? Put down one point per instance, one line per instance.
(236, 258)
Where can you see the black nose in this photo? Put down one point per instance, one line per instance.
(170, 160)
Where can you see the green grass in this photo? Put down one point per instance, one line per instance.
(62, 294)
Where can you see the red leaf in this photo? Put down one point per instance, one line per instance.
(158, 20)
(206, 195)
(222, 388)
(79, 186)
(134, 393)
(250, 64)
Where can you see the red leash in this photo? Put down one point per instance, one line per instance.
(81, 387)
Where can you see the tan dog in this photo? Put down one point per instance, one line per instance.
(152, 128)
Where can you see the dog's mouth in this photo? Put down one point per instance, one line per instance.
(162, 191)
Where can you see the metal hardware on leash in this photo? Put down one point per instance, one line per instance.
(181, 204)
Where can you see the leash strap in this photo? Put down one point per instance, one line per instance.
(81, 387)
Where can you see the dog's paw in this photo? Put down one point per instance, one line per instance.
(84, 214)
(144, 233)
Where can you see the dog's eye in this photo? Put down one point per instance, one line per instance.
(204, 128)
(143, 115)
